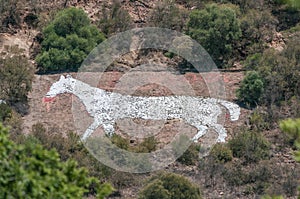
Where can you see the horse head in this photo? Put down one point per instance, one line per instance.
(63, 85)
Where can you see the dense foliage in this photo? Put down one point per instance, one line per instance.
(114, 19)
(68, 39)
(170, 186)
(216, 28)
(250, 146)
(276, 77)
(167, 14)
(251, 88)
(29, 171)
(16, 75)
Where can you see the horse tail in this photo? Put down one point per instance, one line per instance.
(234, 109)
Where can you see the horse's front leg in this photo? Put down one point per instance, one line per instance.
(221, 132)
(108, 127)
(90, 129)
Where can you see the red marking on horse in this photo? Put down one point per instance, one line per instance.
(48, 99)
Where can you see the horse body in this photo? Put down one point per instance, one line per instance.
(107, 107)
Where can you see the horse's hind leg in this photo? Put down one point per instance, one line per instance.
(90, 130)
(221, 132)
(202, 130)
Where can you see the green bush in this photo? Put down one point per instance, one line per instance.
(190, 156)
(221, 153)
(234, 174)
(167, 14)
(258, 28)
(120, 142)
(68, 39)
(291, 128)
(115, 19)
(5, 112)
(216, 28)
(68, 146)
(251, 88)
(256, 177)
(250, 146)
(155, 190)
(258, 121)
(279, 73)
(170, 186)
(146, 146)
(16, 75)
(29, 171)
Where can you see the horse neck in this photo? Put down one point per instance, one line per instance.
(85, 92)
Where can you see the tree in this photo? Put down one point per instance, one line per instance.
(16, 75)
(170, 186)
(29, 171)
(68, 39)
(10, 14)
(215, 27)
(251, 88)
(258, 28)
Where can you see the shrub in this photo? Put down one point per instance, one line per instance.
(216, 28)
(190, 156)
(155, 190)
(115, 19)
(10, 13)
(147, 145)
(221, 153)
(16, 75)
(234, 174)
(258, 121)
(250, 146)
(5, 112)
(170, 186)
(256, 177)
(68, 39)
(251, 88)
(33, 172)
(258, 28)
(292, 130)
(68, 146)
(279, 72)
(167, 14)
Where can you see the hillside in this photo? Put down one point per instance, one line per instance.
(257, 158)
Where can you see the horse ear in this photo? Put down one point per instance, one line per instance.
(62, 77)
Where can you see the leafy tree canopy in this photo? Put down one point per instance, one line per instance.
(68, 39)
(215, 27)
(29, 171)
(251, 88)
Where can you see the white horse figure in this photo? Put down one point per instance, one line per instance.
(106, 107)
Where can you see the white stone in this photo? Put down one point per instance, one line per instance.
(106, 107)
